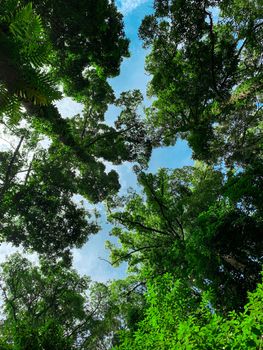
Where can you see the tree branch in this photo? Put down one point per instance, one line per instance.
(9, 168)
(124, 257)
(162, 206)
(28, 172)
(137, 223)
(85, 122)
(212, 39)
(107, 134)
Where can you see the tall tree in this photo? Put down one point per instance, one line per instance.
(206, 69)
(52, 307)
(188, 223)
(36, 196)
(39, 54)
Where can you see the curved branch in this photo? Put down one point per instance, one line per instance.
(107, 134)
(137, 223)
(124, 257)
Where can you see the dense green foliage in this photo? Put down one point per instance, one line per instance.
(191, 237)
(50, 307)
(207, 76)
(188, 224)
(202, 224)
(179, 318)
(38, 58)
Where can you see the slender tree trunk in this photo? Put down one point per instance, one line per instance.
(8, 174)
(85, 123)
(29, 170)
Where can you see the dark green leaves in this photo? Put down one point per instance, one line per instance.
(206, 73)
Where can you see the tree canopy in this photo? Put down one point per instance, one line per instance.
(187, 223)
(206, 69)
(52, 307)
(191, 237)
(40, 57)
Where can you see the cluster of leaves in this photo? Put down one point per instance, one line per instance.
(181, 318)
(191, 222)
(36, 190)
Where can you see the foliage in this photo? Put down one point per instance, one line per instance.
(51, 307)
(207, 77)
(192, 238)
(181, 318)
(36, 191)
(37, 56)
(188, 223)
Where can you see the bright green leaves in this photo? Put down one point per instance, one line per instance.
(26, 23)
(181, 318)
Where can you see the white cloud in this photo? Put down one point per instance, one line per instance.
(68, 107)
(7, 249)
(126, 6)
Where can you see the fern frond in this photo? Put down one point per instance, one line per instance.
(27, 31)
(25, 23)
(31, 51)
(38, 87)
(7, 9)
(10, 106)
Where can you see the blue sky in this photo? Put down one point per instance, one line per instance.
(132, 76)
